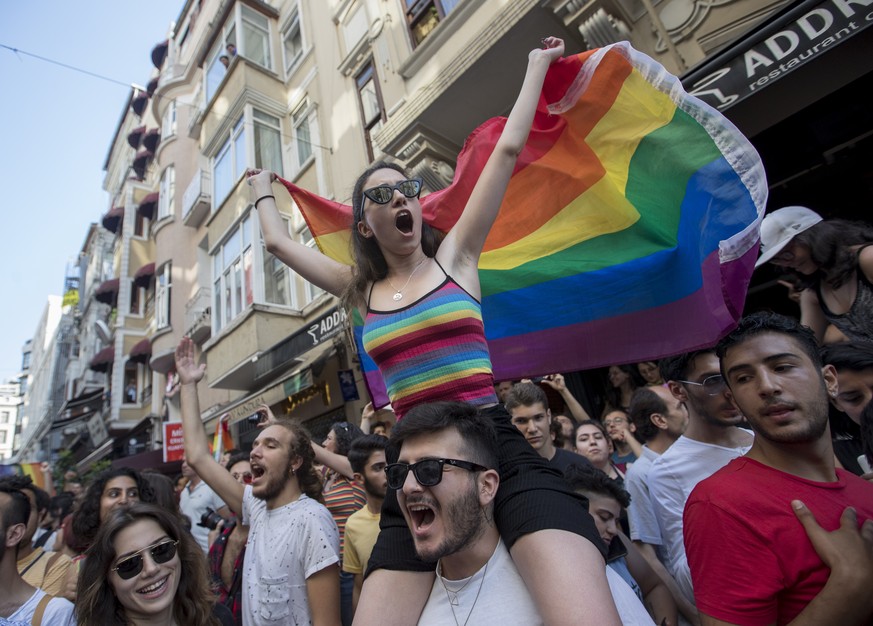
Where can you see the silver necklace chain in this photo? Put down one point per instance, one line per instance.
(398, 293)
(452, 595)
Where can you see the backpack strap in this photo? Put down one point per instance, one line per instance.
(40, 610)
(32, 563)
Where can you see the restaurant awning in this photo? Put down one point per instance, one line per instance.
(141, 162)
(152, 86)
(141, 352)
(151, 139)
(134, 137)
(113, 219)
(148, 205)
(143, 275)
(107, 292)
(139, 103)
(103, 360)
(159, 53)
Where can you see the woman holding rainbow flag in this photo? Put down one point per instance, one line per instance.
(420, 296)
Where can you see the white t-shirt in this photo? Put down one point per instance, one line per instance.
(495, 595)
(59, 612)
(630, 608)
(672, 478)
(193, 503)
(286, 546)
(640, 513)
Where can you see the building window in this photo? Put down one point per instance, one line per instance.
(135, 298)
(229, 163)
(131, 382)
(140, 226)
(277, 280)
(302, 132)
(167, 192)
(312, 292)
(292, 42)
(163, 283)
(2, 436)
(268, 144)
(253, 45)
(422, 16)
(168, 124)
(231, 160)
(232, 275)
(4, 417)
(370, 104)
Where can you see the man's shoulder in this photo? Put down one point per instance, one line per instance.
(362, 517)
(564, 458)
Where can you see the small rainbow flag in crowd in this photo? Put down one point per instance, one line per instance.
(222, 441)
(34, 470)
(628, 232)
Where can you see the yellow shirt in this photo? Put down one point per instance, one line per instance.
(50, 579)
(362, 528)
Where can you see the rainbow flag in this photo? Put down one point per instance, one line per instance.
(25, 469)
(628, 232)
(222, 440)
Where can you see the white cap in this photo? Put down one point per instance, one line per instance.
(781, 226)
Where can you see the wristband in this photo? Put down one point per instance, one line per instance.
(263, 198)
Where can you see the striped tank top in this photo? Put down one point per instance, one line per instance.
(432, 350)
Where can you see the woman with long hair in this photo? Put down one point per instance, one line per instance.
(112, 488)
(144, 568)
(832, 265)
(419, 294)
(593, 442)
(623, 381)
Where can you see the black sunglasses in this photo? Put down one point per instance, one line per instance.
(131, 565)
(383, 193)
(428, 472)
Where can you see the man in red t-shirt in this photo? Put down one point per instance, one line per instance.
(768, 537)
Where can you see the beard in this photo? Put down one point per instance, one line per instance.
(807, 432)
(275, 484)
(375, 490)
(467, 524)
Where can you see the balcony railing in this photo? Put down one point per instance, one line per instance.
(197, 199)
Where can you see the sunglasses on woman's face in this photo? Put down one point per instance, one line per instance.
(383, 193)
(245, 477)
(132, 565)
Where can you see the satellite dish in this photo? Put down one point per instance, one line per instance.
(103, 331)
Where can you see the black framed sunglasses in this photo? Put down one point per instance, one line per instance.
(428, 472)
(132, 565)
(712, 385)
(383, 193)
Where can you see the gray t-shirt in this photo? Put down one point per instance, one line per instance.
(59, 612)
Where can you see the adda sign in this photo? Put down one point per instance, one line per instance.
(780, 49)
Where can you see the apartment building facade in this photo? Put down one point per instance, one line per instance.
(315, 90)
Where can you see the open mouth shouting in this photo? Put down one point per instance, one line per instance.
(422, 515)
(257, 472)
(404, 222)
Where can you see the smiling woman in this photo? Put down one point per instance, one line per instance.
(145, 568)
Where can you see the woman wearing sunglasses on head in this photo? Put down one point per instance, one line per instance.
(144, 568)
(420, 298)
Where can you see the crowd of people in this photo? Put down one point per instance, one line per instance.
(727, 485)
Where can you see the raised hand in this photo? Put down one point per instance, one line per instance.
(187, 368)
(552, 50)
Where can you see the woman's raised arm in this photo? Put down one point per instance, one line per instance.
(465, 241)
(311, 264)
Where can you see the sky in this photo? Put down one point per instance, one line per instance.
(56, 125)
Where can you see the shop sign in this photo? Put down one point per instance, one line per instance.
(174, 443)
(772, 55)
(97, 429)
